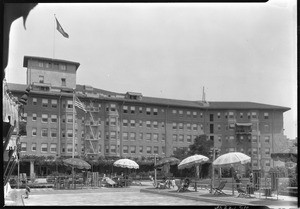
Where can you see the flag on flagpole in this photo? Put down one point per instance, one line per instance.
(60, 29)
(79, 104)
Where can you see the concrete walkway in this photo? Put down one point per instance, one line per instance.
(256, 199)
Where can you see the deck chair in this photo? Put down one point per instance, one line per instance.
(219, 189)
(242, 192)
(184, 185)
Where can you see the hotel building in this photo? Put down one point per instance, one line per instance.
(131, 124)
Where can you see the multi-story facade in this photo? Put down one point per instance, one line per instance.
(131, 124)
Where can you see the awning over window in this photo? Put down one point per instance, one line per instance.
(244, 124)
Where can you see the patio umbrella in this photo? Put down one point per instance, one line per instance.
(167, 161)
(230, 159)
(77, 163)
(192, 160)
(126, 163)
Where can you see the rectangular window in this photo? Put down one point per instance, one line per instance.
(155, 111)
(69, 104)
(132, 123)
(33, 116)
(155, 150)
(180, 126)
(44, 147)
(181, 138)
(267, 151)
(140, 110)
(189, 138)
(34, 101)
(44, 118)
(241, 115)
(44, 102)
(125, 136)
(53, 148)
(194, 114)
(113, 121)
(195, 127)
(113, 107)
(211, 117)
(231, 150)
(267, 162)
(148, 136)
(155, 124)
(113, 149)
(201, 114)
(132, 136)
(148, 124)
(53, 132)
(141, 149)
(162, 124)
(141, 123)
(53, 118)
(231, 115)
(163, 149)
(174, 111)
(267, 128)
(266, 115)
(23, 147)
(106, 149)
(69, 148)
(41, 79)
(33, 147)
(253, 115)
(125, 109)
(113, 135)
(54, 103)
(34, 131)
(155, 137)
(132, 110)
(148, 111)
(69, 118)
(211, 128)
(40, 64)
(254, 162)
(132, 149)
(219, 115)
(254, 151)
(219, 127)
(125, 149)
(63, 82)
(125, 122)
(188, 126)
(188, 113)
(149, 150)
(174, 149)
(70, 133)
(174, 137)
(174, 125)
(180, 112)
(267, 139)
(44, 132)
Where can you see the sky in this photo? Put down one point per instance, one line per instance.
(236, 51)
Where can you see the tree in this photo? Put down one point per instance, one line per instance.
(201, 146)
(180, 153)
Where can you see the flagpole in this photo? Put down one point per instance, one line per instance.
(73, 147)
(54, 37)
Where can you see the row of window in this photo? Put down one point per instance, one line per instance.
(52, 65)
(154, 111)
(53, 133)
(44, 147)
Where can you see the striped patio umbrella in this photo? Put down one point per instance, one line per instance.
(192, 160)
(126, 163)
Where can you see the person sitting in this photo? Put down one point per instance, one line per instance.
(237, 177)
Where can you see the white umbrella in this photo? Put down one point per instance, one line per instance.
(232, 158)
(126, 163)
(191, 161)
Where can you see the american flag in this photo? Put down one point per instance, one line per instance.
(79, 104)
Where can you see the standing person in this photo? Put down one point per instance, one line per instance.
(27, 191)
(237, 178)
(250, 188)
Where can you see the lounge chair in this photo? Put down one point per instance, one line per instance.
(110, 182)
(242, 193)
(219, 189)
(184, 185)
